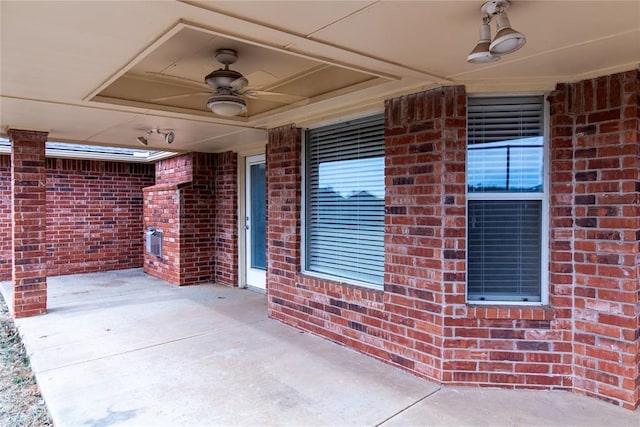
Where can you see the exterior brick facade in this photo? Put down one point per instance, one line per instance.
(226, 219)
(93, 215)
(585, 339)
(194, 205)
(5, 218)
(28, 222)
(596, 179)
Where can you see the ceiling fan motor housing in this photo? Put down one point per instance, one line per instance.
(222, 78)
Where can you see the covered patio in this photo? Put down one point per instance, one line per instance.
(465, 209)
(124, 348)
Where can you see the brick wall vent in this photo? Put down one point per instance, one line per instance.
(154, 242)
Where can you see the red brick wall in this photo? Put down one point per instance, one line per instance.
(424, 233)
(174, 170)
(28, 219)
(94, 215)
(160, 211)
(226, 219)
(595, 123)
(453, 342)
(197, 217)
(5, 217)
(420, 322)
(194, 204)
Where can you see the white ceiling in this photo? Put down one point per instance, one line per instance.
(58, 60)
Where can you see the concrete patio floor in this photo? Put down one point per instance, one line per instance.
(122, 348)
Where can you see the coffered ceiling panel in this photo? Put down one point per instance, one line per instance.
(171, 75)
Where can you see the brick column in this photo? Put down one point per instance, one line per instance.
(5, 218)
(595, 176)
(29, 216)
(424, 224)
(196, 214)
(226, 218)
(284, 195)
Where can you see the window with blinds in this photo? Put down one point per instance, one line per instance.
(506, 199)
(344, 215)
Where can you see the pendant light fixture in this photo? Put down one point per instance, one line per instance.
(507, 40)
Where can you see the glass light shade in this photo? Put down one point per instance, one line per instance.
(480, 54)
(507, 40)
(226, 107)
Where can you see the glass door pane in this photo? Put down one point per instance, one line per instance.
(257, 217)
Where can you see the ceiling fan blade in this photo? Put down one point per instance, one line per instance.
(281, 98)
(183, 95)
(175, 80)
(261, 78)
(239, 83)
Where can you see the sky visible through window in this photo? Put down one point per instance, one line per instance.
(502, 166)
(506, 166)
(350, 177)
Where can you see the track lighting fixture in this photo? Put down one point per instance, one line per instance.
(169, 136)
(507, 40)
(480, 54)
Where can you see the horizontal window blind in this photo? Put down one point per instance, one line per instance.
(491, 119)
(505, 144)
(505, 158)
(504, 247)
(345, 200)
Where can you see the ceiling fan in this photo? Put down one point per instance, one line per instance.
(230, 89)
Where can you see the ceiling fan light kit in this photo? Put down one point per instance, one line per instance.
(507, 40)
(226, 105)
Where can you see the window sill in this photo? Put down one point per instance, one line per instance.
(510, 312)
(318, 280)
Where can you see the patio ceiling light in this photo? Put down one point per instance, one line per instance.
(507, 40)
(226, 105)
(480, 54)
(169, 136)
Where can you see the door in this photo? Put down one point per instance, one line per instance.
(255, 222)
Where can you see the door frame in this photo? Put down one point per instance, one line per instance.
(243, 195)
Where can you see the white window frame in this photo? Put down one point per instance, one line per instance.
(543, 197)
(303, 213)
